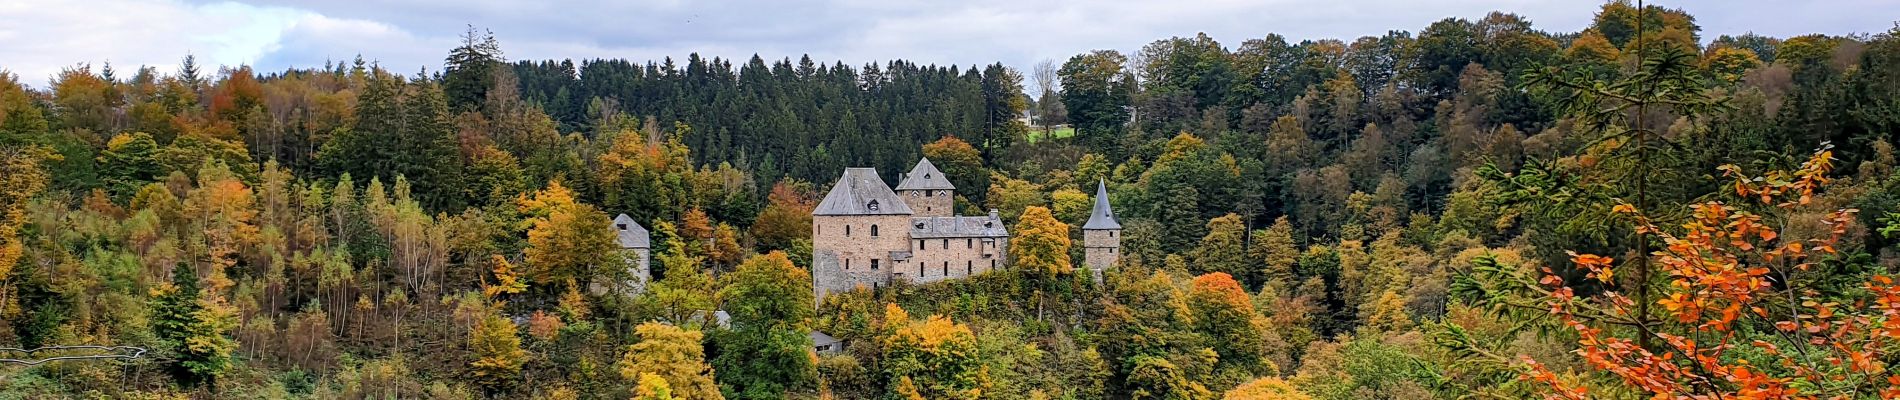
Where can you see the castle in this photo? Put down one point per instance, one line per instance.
(866, 235)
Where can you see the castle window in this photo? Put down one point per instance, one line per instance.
(872, 205)
(920, 270)
(946, 268)
(968, 266)
(847, 230)
(847, 264)
(621, 226)
(969, 243)
(992, 264)
(873, 230)
(1111, 233)
(930, 193)
(946, 244)
(874, 264)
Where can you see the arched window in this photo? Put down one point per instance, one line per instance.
(873, 230)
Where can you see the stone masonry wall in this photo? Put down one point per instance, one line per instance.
(1100, 248)
(842, 261)
(952, 258)
(930, 203)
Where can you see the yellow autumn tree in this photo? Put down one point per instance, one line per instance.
(498, 353)
(675, 356)
(933, 359)
(567, 239)
(1041, 245)
(1268, 388)
(652, 387)
(20, 179)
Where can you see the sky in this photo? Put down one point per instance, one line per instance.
(38, 38)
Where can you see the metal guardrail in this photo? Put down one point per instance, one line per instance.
(109, 352)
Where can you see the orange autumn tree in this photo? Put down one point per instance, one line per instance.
(1738, 320)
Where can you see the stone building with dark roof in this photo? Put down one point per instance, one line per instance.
(864, 234)
(636, 246)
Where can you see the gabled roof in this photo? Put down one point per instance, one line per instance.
(633, 236)
(1101, 218)
(860, 192)
(820, 338)
(925, 176)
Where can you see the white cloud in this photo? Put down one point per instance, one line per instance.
(43, 36)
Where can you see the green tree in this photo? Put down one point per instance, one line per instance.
(128, 163)
(1095, 91)
(765, 355)
(1224, 249)
(468, 73)
(195, 327)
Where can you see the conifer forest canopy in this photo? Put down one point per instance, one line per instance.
(1475, 208)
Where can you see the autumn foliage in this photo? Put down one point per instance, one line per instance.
(1738, 323)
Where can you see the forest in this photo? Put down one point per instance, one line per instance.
(1476, 209)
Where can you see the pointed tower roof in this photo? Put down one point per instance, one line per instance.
(925, 176)
(860, 192)
(1101, 218)
(629, 234)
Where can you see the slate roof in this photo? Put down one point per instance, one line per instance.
(1101, 218)
(820, 339)
(957, 227)
(633, 236)
(925, 176)
(860, 192)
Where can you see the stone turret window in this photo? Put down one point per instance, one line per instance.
(873, 230)
(946, 244)
(1111, 233)
(847, 230)
(969, 243)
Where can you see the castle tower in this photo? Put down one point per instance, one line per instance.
(860, 232)
(1101, 236)
(928, 191)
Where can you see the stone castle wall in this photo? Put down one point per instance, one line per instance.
(1100, 248)
(930, 203)
(952, 258)
(846, 255)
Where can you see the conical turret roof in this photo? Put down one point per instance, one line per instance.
(1101, 218)
(925, 176)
